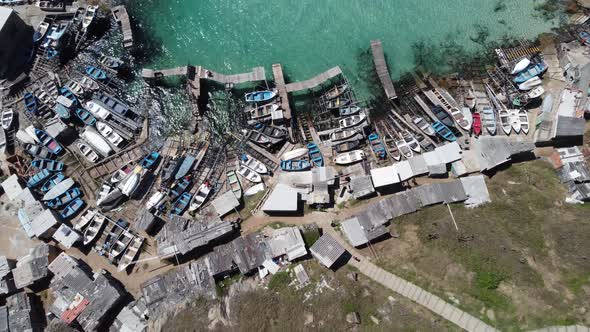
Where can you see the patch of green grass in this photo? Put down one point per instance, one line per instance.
(222, 286)
(310, 237)
(576, 282)
(250, 203)
(278, 224)
(279, 281)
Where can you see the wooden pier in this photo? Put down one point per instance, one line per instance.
(122, 18)
(277, 72)
(314, 81)
(382, 71)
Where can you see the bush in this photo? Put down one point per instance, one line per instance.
(279, 281)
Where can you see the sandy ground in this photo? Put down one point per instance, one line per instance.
(14, 242)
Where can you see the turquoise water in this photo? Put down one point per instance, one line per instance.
(308, 36)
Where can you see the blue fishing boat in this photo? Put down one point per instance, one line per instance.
(185, 167)
(72, 208)
(69, 94)
(52, 182)
(295, 165)
(41, 31)
(48, 164)
(533, 71)
(179, 187)
(64, 198)
(315, 155)
(377, 146)
(150, 160)
(51, 53)
(96, 73)
(181, 204)
(31, 104)
(57, 30)
(86, 117)
(260, 96)
(61, 111)
(37, 178)
(584, 37)
(444, 131)
(48, 141)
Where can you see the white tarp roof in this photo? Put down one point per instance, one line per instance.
(282, 199)
(353, 231)
(384, 176)
(404, 170)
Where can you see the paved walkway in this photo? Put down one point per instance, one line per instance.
(411, 291)
(570, 328)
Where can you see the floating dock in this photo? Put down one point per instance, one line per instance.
(382, 71)
(314, 81)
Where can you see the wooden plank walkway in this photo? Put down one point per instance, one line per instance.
(122, 17)
(257, 74)
(411, 291)
(277, 72)
(314, 81)
(381, 67)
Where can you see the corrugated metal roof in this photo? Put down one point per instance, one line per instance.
(3, 319)
(327, 250)
(354, 233)
(12, 185)
(225, 203)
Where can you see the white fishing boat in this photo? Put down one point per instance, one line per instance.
(94, 228)
(520, 66)
(523, 118)
(75, 87)
(121, 173)
(7, 118)
(505, 121)
(528, 85)
(411, 141)
(97, 141)
(255, 189)
(108, 133)
(87, 152)
(341, 135)
(536, 92)
(129, 184)
(120, 245)
(352, 121)
(294, 154)
(459, 118)
(2, 141)
(254, 164)
(89, 16)
(200, 197)
(59, 189)
(470, 100)
(404, 149)
(351, 157)
(154, 200)
(488, 118)
(131, 252)
(24, 137)
(423, 125)
(31, 131)
(85, 219)
(514, 120)
(89, 84)
(104, 191)
(249, 174)
(97, 110)
(467, 115)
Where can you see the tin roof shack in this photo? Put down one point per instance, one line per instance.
(178, 286)
(13, 186)
(225, 203)
(284, 200)
(288, 242)
(322, 180)
(493, 151)
(66, 236)
(361, 186)
(21, 316)
(575, 174)
(133, 318)
(249, 251)
(15, 40)
(181, 235)
(32, 268)
(145, 220)
(574, 60)
(6, 282)
(44, 224)
(81, 298)
(359, 231)
(328, 251)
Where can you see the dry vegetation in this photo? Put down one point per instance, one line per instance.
(520, 262)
